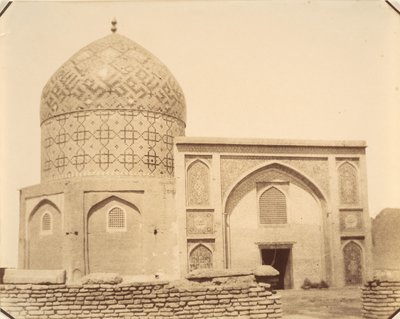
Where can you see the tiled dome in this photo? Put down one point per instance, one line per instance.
(113, 73)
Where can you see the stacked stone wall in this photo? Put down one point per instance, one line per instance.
(140, 300)
(380, 299)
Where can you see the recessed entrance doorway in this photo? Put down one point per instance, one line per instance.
(281, 259)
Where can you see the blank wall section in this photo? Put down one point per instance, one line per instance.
(115, 250)
(45, 247)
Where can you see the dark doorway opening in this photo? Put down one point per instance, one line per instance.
(281, 260)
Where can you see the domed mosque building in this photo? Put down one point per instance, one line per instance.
(124, 191)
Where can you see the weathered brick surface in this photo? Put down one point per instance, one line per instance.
(380, 299)
(141, 300)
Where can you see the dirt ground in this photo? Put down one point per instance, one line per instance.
(321, 303)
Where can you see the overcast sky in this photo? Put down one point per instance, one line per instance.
(312, 69)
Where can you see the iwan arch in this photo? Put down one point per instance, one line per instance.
(295, 232)
(123, 190)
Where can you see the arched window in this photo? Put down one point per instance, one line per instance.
(348, 184)
(273, 207)
(116, 219)
(200, 258)
(46, 226)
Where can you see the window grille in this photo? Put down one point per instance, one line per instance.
(200, 258)
(46, 226)
(273, 207)
(116, 219)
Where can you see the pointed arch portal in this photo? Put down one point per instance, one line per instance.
(262, 222)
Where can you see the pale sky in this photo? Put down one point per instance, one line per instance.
(312, 69)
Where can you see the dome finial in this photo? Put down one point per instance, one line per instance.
(114, 25)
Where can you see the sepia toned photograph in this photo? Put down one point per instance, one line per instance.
(200, 159)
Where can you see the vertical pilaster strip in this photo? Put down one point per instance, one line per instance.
(218, 213)
(74, 234)
(334, 232)
(368, 257)
(180, 180)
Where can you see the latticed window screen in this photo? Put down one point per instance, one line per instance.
(116, 219)
(200, 258)
(46, 222)
(273, 207)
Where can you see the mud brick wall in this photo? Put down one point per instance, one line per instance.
(380, 299)
(140, 300)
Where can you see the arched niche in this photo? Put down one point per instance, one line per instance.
(198, 184)
(348, 184)
(44, 236)
(353, 263)
(116, 249)
(200, 257)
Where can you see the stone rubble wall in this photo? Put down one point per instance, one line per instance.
(380, 299)
(140, 300)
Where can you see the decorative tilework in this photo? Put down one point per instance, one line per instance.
(205, 158)
(351, 221)
(200, 258)
(113, 73)
(198, 184)
(234, 167)
(348, 184)
(353, 263)
(114, 142)
(251, 182)
(199, 222)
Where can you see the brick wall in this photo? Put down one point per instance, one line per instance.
(380, 299)
(115, 251)
(141, 300)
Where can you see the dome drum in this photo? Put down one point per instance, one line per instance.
(109, 142)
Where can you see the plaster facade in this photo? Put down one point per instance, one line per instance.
(124, 191)
(326, 231)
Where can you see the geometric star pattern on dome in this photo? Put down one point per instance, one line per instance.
(113, 73)
(109, 142)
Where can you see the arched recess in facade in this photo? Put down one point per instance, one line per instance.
(200, 257)
(114, 240)
(198, 183)
(353, 258)
(306, 233)
(349, 189)
(44, 229)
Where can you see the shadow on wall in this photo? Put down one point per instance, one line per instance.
(1, 275)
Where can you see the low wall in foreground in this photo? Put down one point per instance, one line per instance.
(140, 300)
(380, 298)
